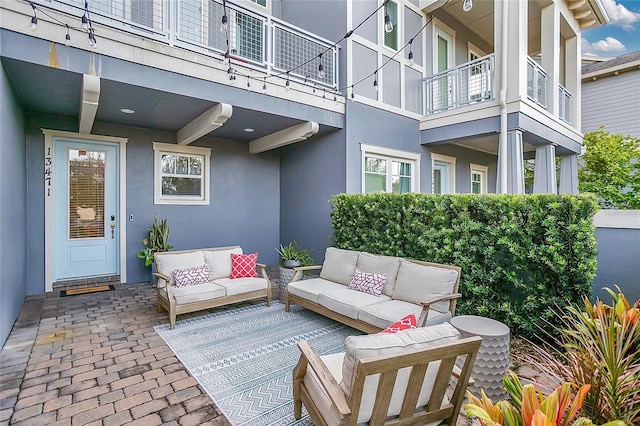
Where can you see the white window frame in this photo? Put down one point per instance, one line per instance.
(482, 171)
(391, 154)
(159, 149)
(451, 163)
(473, 49)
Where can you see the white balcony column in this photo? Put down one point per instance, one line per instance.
(573, 81)
(550, 51)
(569, 174)
(517, 47)
(515, 163)
(544, 172)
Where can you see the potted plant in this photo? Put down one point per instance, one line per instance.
(291, 256)
(158, 240)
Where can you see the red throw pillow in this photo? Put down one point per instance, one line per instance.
(244, 265)
(368, 282)
(407, 323)
(191, 276)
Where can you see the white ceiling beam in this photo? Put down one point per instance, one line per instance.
(582, 14)
(88, 102)
(284, 137)
(585, 23)
(205, 124)
(576, 4)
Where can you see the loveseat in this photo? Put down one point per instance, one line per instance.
(193, 280)
(426, 290)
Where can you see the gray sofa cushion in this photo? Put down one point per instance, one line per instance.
(309, 289)
(339, 265)
(385, 313)
(417, 282)
(347, 302)
(380, 265)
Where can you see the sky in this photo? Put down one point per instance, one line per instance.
(621, 35)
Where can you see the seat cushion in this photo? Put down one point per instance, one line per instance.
(339, 265)
(219, 262)
(347, 302)
(317, 393)
(380, 265)
(166, 262)
(417, 282)
(241, 285)
(195, 293)
(310, 289)
(389, 345)
(387, 312)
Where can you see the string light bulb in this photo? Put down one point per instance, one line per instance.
(33, 25)
(264, 86)
(375, 82)
(67, 38)
(320, 68)
(410, 55)
(85, 17)
(467, 5)
(388, 25)
(227, 57)
(224, 24)
(248, 83)
(286, 84)
(92, 38)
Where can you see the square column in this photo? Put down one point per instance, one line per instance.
(573, 79)
(544, 172)
(569, 174)
(515, 163)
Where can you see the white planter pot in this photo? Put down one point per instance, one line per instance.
(286, 275)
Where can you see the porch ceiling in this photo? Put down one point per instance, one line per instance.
(58, 92)
(489, 144)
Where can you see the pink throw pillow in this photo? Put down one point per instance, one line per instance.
(407, 323)
(191, 276)
(244, 265)
(368, 282)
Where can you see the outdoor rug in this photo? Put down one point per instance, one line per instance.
(244, 357)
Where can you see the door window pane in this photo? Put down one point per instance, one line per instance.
(440, 178)
(86, 193)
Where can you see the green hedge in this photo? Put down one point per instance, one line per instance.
(521, 255)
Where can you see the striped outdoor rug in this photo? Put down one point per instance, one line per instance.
(244, 357)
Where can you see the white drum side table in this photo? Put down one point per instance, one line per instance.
(492, 361)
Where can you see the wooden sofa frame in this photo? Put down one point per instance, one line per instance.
(169, 304)
(388, 367)
(361, 325)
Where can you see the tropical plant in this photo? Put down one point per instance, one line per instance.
(158, 240)
(293, 252)
(599, 345)
(529, 407)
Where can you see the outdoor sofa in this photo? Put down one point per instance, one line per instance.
(426, 290)
(230, 277)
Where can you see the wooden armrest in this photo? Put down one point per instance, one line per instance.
(307, 268)
(261, 265)
(325, 378)
(164, 277)
(444, 297)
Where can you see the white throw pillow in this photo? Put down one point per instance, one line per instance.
(219, 262)
(374, 345)
(417, 283)
(339, 265)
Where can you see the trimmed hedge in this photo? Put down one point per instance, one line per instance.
(521, 255)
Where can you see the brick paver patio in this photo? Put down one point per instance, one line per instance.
(95, 360)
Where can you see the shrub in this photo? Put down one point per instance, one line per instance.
(521, 255)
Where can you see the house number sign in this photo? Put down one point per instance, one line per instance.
(47, 171)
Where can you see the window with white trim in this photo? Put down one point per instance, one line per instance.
(180, 174)
(478, 179)
(443, 177)
(389, 170)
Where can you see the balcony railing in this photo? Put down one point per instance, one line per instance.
(256, 40)
(536, 83)
(464, 85)
(565, 100)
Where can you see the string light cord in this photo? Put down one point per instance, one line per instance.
(53, 18)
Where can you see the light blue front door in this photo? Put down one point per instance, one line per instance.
(85, 209)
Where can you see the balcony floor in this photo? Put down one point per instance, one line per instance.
(96, 359)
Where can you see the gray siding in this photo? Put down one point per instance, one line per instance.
(613, 102)
(310, 173)
(13, 208)
(464, 158)
(618, 254)
(244, 198)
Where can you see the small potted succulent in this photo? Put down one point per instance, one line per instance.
(291, 256)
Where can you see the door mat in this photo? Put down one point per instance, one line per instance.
(87, 290)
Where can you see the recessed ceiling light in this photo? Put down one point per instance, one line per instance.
(249, 130)
(127, 111)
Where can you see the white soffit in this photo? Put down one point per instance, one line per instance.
(88, 102)
(206, 123)
(284, 137)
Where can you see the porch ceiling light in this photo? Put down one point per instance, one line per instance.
(467, 5)
(249, 130)
(127, 111)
